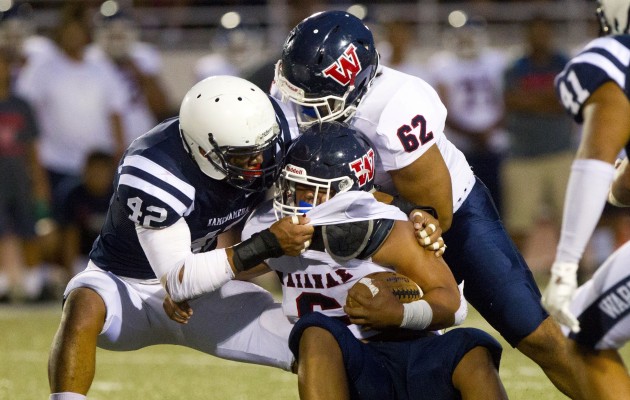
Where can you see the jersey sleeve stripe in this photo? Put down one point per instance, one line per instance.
(616, 49)
(604, 53)
(150, 189)
(153, 180)
(161, 173)
(603, 63)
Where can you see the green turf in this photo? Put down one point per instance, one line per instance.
(170, 372)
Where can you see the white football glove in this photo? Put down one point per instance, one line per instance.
(559, 293)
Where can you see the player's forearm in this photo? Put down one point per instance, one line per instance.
(206, 272)
(585, 199)
(185, 275)
(442, 202)
(427, 182)
(200, 274)
(444, 304)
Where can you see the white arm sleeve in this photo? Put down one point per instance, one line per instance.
(168, 250)
(586, 196)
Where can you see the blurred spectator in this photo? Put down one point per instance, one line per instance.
(138, 65)
(24, 194)
(19, 41)
(468, 76)
(78, 103)
(397, 49)
(263, 74)
(86, 208)
(541, 136)
(226, 47)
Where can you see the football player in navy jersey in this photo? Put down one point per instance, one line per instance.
(595, 90)
(330, 70)
(178, 187)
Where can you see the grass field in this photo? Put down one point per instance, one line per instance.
(170, 372)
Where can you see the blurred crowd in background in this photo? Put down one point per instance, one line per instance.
(80, 80)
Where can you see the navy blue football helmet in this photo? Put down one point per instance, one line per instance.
(330, 158)
(328, 62)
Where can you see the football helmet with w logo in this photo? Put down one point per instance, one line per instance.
(327, 159)
(328, 62)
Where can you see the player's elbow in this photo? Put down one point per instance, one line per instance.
(451, 306)
(445, 306)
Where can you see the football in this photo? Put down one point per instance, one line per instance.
(401, 286)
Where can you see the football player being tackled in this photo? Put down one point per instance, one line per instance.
(378, 348)
(330, 70)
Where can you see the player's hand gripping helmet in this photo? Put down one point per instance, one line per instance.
(224, 120)
(330, 158)
(613, 16)
(328, 62)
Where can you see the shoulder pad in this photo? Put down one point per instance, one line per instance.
(360, 239)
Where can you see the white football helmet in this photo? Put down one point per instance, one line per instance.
(613, 16)
(223, 118)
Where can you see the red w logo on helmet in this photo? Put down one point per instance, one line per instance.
(364, 167)
(346, 68)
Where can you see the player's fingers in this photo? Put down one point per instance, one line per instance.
(184, 312)
(178, 317)
(427, 231)
(418, 220)
(300, 219)
(354, 312)
(437, 245)
(359, 298)
(570, 320)
(359, 320)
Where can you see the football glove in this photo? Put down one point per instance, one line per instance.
(559, 292)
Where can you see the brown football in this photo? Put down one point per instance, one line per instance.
(401, 286)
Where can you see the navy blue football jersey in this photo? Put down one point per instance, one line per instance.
(602, 60)
(158, 183)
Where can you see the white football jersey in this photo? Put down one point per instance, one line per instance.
(314, 281)
(403, 117)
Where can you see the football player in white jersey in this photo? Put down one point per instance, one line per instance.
(595, 90)
(177, 189)
(329, 70)
(328, 171)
